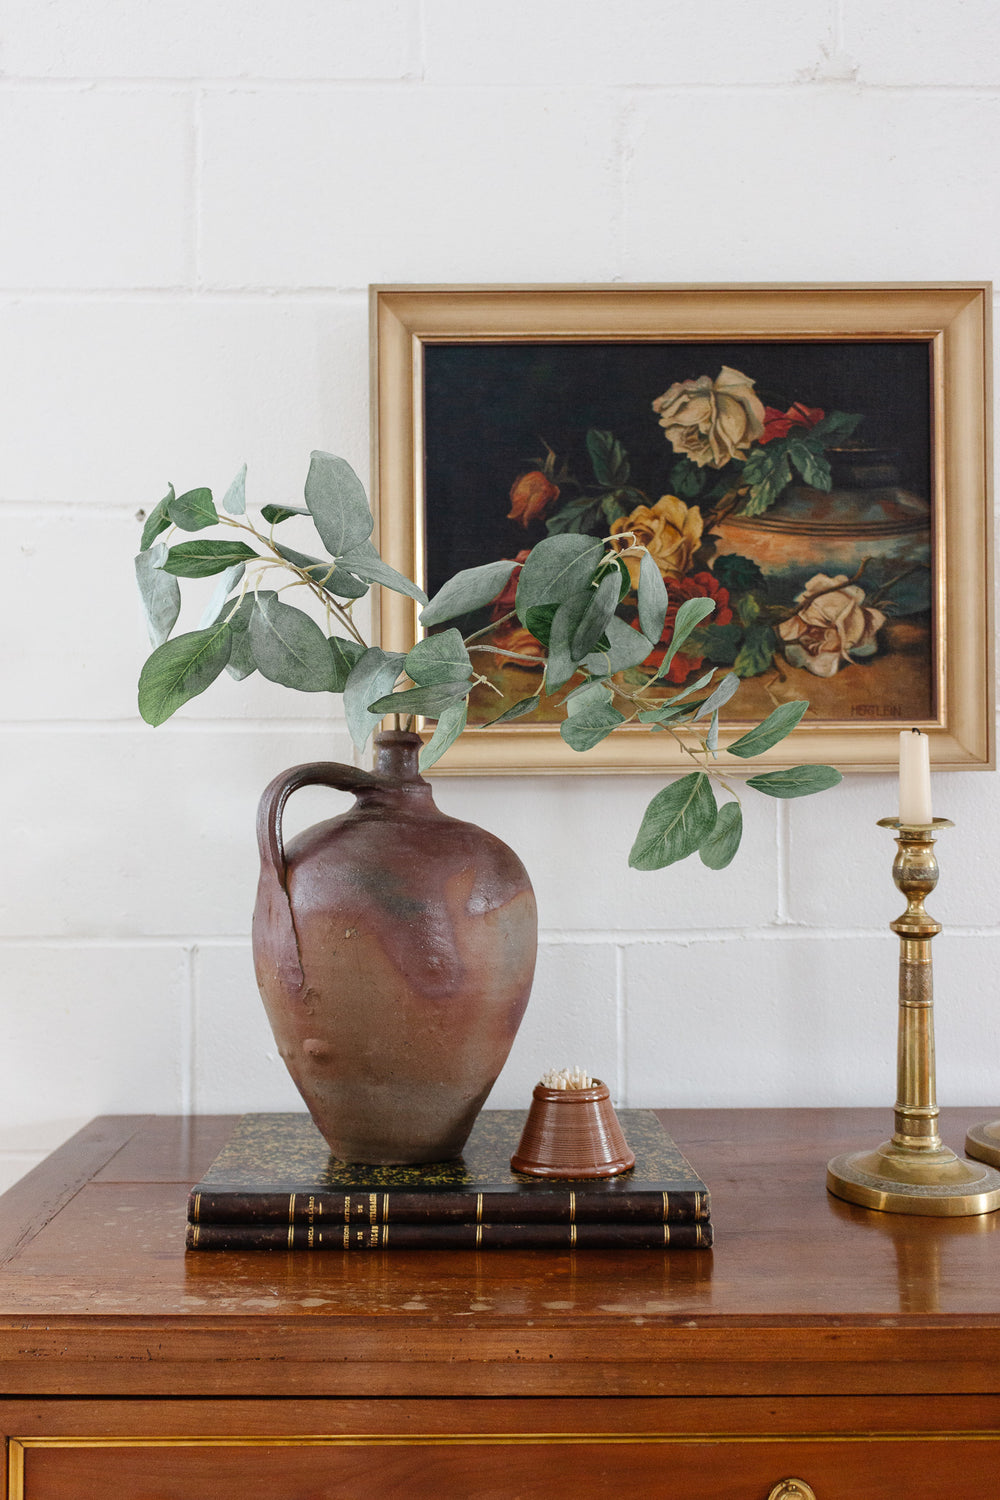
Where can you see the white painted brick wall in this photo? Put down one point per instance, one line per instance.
(195, 197)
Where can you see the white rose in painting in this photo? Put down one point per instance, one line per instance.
(832, 626)
(711, 421)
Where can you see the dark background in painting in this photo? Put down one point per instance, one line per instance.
(488, 408)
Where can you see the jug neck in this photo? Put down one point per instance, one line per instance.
(396, 756)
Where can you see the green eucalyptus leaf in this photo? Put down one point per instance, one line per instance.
(712, 737)
(215, 606)
(718, 849)
(556, 569)
(158, 520)
(337, 503)
(193, 511)
(688, 617)
(588, 695)
(449, 726)
(566, 622)
(516, 711)
(439, 658)
(241, 663)
(346, 655)
(428, 701)
(538, 621)
(652, 598)
(372, 676)
(721, 696)
(675, 824)
(273, 514)
(773, 729)
(589, 725)
(471, 589)
(290, 648)
(335, 580)
(797, 781)
(365, 563)
(160, 594)
(206, 558)
(627, 648)
(679, 703)
(234, 501)
(596, 617)
(181, 669)
(239, 619)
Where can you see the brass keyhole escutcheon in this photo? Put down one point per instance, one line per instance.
(792, 1489)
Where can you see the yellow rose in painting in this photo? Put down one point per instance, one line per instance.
(711, 421)
(832, 627)
(670, 531)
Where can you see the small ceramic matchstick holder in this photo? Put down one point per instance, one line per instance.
(572, 1133)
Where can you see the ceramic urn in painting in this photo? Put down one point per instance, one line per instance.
(394, 948)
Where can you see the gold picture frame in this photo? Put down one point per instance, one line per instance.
(941, 328)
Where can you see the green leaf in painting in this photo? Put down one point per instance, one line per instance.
(346, 654)
(556, 569)
(181, 669)
(290, 648)
(449, 726)
(234, 501)
(797, 781)
(652, 598)
(372, 675)
(756, 653)
(439, 658)
(626, 648)
(337, 503)
(718, 643)
(809, 459)
(158, 520)
(193, 511)
(582, 516)
(676, 822)
(213, 609)
(517, 710)
(589, 725)
(767, 472)
(365, 563)
(718, 849)
(690, 615)
(428, 701)
(160, 594)
(687, 481)
(274, 513)
(837, 425)
(466, 591)
(771, 731)
(203, 559)
(608, 457)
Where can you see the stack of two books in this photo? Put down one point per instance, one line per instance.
(275, 1186)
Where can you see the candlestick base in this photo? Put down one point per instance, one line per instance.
(899, 1180)
(983, 1142)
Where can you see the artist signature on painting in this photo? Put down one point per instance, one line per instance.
(876, 711)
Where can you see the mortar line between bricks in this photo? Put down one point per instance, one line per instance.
(237, 86)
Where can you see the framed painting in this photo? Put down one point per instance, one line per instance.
(813, 459)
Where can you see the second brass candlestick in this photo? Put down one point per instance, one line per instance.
(914, 1172)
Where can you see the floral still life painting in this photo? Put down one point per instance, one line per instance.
(786, 485)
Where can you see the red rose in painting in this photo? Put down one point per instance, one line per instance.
(511, 635)
(531, 496)
(779, 424)
(696, 586)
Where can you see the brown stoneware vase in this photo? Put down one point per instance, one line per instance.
(394, 948)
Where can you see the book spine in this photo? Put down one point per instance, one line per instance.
(357, 1237)
(687, 1206)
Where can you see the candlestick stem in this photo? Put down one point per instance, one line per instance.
(915, 1172)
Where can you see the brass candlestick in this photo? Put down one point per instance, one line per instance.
(914, 1173)
(983, 1142)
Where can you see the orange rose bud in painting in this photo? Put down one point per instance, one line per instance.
(531, 496)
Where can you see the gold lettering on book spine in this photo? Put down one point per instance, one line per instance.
(373, 1208)
(347, 1208)
(347, 1235)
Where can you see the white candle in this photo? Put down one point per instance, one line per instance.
(914, 778)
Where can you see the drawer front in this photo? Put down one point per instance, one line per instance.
(508, 1465)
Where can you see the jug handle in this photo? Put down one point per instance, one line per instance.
(342, 778)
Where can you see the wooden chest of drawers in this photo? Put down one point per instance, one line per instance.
(854, 1352)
